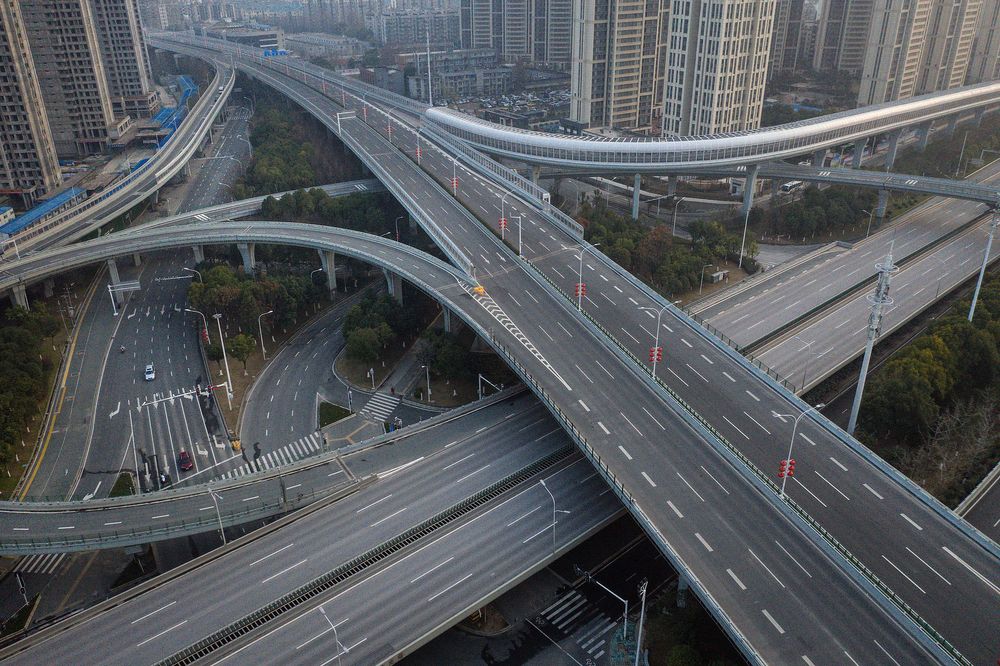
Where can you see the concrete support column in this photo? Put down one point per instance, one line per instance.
(683, 585)
(199, 254)
(50, 287)
(883, 199)
(859, 152)
(329, 262)
(748, 186)
(636, 189)
(447, 319)
(924, 132)
(979, 116)
(156, 197)
(395, 285)
(819, 157)
(247, 252)
(536, 171)
(19, 296)
(952, 123)
(671, 185)
(136, 259)
(412, 223)
(113, 274)
(890, 156)
(186, 170)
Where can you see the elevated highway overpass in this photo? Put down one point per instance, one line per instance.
(470, 238)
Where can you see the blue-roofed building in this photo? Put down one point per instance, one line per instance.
(44, 210)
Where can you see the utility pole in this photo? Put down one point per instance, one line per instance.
(430, 87)
(879, 298)
(986, 259)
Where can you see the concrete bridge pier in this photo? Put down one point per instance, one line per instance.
(819, 157)
(155, 198)
(199, 254)
(859, 152)
(636, 189)
(924, 132)
(890, 157)
(395, 285)
(136, 259)
(883, 199)
(536, 171)
(980, 112)
(247, 252)
(683, 585)
(49, 285)
(328, 260)
(671, 185)
(447, 318)
(19, 296)
(952, 124)
(748, 184)
(115, 280)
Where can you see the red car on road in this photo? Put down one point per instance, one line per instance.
(184, 461)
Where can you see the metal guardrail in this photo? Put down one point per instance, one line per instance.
(366, 560)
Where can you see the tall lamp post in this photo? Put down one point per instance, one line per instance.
(260, 330)
(591, 579)
(702, 283)
(192, 270)
(871, 214)
(427, 370)
(791, 444)
(340, 646)
(986, 259)
(554, 512)
(218, 515)
(656, 353)
(579, 284)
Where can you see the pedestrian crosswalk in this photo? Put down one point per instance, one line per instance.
(574, 615)
(44, 563)
(380, 407)
(300, 448)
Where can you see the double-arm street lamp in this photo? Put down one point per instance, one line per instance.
(656, 353)
(791, 443)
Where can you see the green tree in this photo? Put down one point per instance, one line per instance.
(213, 352)
(241, 347)
(363, 344)
(683, 655)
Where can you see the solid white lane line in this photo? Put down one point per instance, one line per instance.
(391, 515)
(696, 372)
(928, 566)
(583, 373)
(604, 369)
(651, 482)
(837, 463)
(541, 531)
(872, 491)
(850, 657)
(793, 559)
(272, 554)
(710, 361)
(809, 661)
(714, 479)
(831, 485)
(703, 542)
(903, 574)
(245, 499)
(678, 376)
(738, 581)
(675, 509)
(772, 620)
(753, 396)
(886, 652)
(735, 426)
(140, 619)
(803, 486)
(476, 472)
(631, 424)
(374, 503)
(910, 521)
(973, 571)
(622, 449)
(690, 486)
(728, 376)
(778, 580)
(523, 516)
(433, 569)
(182, 622)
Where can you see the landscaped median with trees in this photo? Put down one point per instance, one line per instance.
(25, 376)
(933, 410)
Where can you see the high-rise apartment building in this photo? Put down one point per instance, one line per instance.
(410, 28)
(617, 67)
(716, 65)
(29, 167)
(126, 63)
(67, 58)
(786, 37)
(539, 31)
(917, 47)
(984, 63)
(842, 35)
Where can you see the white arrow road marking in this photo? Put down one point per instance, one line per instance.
(117, 409)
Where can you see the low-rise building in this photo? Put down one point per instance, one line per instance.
(333, 47)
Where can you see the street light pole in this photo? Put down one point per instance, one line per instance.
(591, 579)
(656, 337)
(427, 369)
(554, 511)
(196, 272)
(642, 617)
(225, 360)
(518, 233)
(398, 218)
(579, 289)
(218, 515)
(791, 444)
(986, 258)
(878, 299)
(260, 329)
(702, 283)
(746, 225)
(673, 231)
(871, 214)
(336, 638)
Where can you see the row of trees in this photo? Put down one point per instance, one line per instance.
(941, 157)
(374, 322)
(951, 361)
(24, 373)
(653, 254)
(818, 212)
(241, 298)
(282, 160)
(361, 212)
